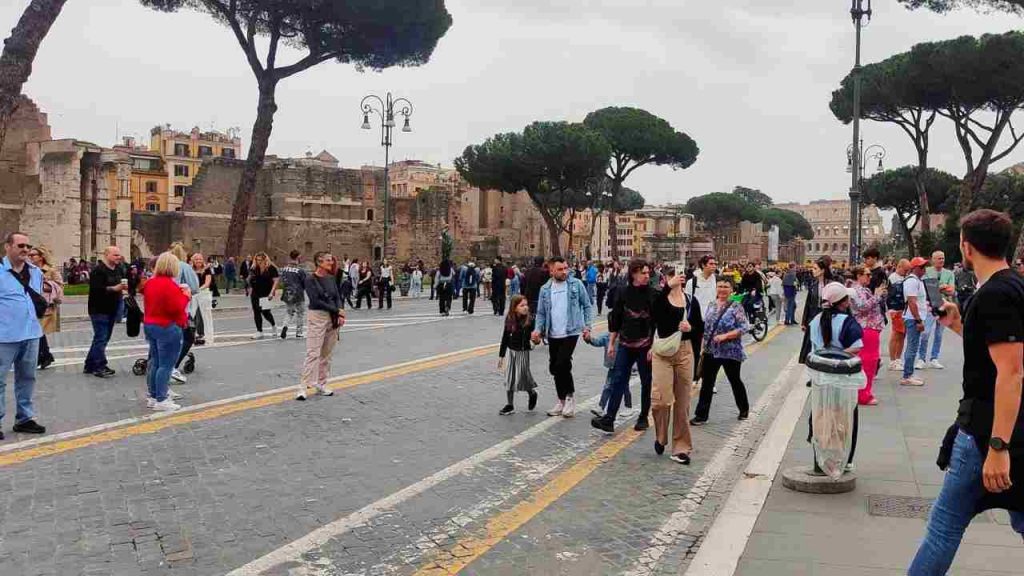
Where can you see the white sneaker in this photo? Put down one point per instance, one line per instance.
(325, 391)
(896, 366)
(257, 336)
(150, 401)
(178, 376)
(173, 395)
(166, 406)
(557, 409)
(714, 389)
(570, 407)
(919, 364)
(934, 364)
(911, 382)
(626, 413)
(300, 335)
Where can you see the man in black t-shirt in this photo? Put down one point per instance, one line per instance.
(987, 457)
(107, 285)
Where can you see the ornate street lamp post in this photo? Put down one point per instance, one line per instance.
(872, 153)
(385, 109)
(859, 13)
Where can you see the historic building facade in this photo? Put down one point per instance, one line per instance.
(184, 153)
(830, 220)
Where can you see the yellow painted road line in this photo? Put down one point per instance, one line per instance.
(453, 559)
(467, 550)
(112, 432)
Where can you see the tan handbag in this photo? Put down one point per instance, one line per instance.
(667, 347)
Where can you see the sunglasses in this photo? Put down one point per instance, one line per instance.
(23, 246)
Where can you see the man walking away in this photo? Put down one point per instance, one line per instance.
(470, 286)
(499, 278)
(21, 302)
(106, 289)
(789, 289)
(230, 274)
(564, 313)
(984, 451)
(590, 278)
(243, 273)
(534, 280)
(933, 329)
(293, 294)
(914, 318)
(325, 320)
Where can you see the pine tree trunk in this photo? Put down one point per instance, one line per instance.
(922, 197)
(261, 130)
(613, 236)
(968, 189)
(1019, 252)
(554, 233)
(20, 52)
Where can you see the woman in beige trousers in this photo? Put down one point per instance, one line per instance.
(324, 320)
(674, 311)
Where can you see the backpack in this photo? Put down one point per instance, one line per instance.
(895, 300)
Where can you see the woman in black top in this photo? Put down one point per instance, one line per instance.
(674, 312)
(364, 287)
(822, 275)
(263, 280)
(515, 339)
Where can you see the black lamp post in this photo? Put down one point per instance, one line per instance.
(384, 108)
(860, 10)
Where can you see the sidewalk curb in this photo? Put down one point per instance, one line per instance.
(726, 540)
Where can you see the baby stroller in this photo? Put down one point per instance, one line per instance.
(133, 324)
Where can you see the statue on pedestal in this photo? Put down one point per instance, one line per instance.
(447, 244)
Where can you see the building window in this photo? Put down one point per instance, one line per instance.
(144, 164)
(181, 150)
(178, 209)
(152, 207)
(150, 187)
(181, 170)
(179, 191)
(369, 215)
(205, 151)
(228, 153)
(845, 248)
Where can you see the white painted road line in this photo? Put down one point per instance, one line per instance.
(725, 542)
(678, 523)
(294, 551)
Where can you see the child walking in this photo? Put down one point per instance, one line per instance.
(515, 339)
(609, 363)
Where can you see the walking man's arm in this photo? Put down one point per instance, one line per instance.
(1009, 360)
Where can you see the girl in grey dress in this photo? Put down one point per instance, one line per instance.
(515, 341)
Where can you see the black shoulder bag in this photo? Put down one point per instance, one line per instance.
(37, 299)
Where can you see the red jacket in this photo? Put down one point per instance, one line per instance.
(165, 302)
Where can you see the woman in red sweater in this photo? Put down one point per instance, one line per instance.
(164, 320)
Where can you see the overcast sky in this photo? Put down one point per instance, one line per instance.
(749, 80)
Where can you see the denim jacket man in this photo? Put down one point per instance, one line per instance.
(564, 312)
(19, 331)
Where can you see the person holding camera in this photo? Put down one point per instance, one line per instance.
(914, 317)
(324, 320)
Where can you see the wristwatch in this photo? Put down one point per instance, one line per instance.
(998, 444)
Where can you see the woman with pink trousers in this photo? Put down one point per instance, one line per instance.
(867, 310)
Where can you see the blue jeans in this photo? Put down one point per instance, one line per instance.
(625, 358)
(931, 329)
(23, 357)
(102, 330)
(164, 347)
(606, 392)
(790, 292)
(592, 292)
(910, 347)
(954, 509)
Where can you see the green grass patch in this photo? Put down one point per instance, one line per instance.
(76, 290)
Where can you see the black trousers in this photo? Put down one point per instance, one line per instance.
(364, 292)
(259, 314)
(44, 351)
(707, 389)
(468, 299)
(346, 295)
(498, 299)
(188, 338)
(385, 293)
(602, 291)
(560, 352)
(444, 298)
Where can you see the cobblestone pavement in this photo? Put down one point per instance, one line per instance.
(406, 471)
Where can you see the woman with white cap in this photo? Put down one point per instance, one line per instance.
(835, 328)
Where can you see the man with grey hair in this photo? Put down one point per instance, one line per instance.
(107, 286)
(933, 329)
(21, 287)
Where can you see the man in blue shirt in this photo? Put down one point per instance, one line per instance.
(20, 330)
(590, 279)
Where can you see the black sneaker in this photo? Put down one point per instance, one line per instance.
(284, 333)
(659, 448)
(103, 373)
(743, 416)
(1, 435)
(507, 410)
(641, 425)
(29, 427)
(698, 421)
(533, 401)
(603, 424)
(681, 458)
(46, 363)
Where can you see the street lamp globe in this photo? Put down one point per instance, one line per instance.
(366, 121)
(406, 127)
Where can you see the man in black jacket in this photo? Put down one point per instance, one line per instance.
(499, 276)
(107, 286)
(534, 279)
